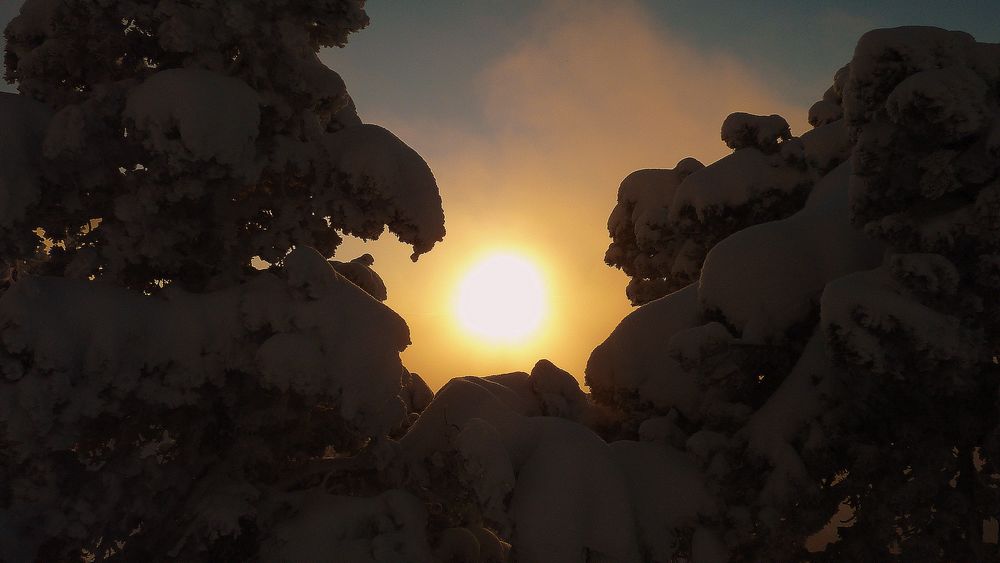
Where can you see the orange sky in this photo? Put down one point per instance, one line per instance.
(569, 112)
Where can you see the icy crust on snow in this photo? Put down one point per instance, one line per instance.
(398, 179)
(74, 349)
(525, 470)
(194, 115)
(23, 122)
(782, 266)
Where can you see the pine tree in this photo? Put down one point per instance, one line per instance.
(161, 397)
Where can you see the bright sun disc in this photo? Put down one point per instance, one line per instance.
(501, 299)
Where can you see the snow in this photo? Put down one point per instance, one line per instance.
(826, 146)
(194, 115)
(642, 236)
(558, 392)
(772, 233)
(734, 180)
(779, 424)
(824, 112)
(643, 198)
(860, 310)
(635, 358)
(928, 274)
(883, 56)
(707, 547)
(387, 528)
(949, 104)
(526, 470)
(88, 343)
(668, 491)
(360, 272)
(762, 132)
(23, 122)
(375, 159)
(768, 277)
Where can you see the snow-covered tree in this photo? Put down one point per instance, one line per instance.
(841, 358)
(666, 221)
(160, 397)
(820, 332)
(188, 137)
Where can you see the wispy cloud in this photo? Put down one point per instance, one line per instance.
(593, 91)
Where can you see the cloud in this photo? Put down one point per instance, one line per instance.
(593, 91)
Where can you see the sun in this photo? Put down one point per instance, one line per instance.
(501, 299)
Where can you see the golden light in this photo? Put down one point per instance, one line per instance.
(501, 299)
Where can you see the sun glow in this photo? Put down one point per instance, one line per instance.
(501, 299)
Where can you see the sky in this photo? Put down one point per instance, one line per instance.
(530, 113)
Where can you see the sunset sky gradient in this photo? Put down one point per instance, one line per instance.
(531, 112)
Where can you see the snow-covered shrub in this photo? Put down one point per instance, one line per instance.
(842, 356)
(160, 398)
